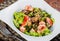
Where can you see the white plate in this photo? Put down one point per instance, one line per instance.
(6, 15)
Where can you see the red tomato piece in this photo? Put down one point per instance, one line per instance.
(26, 18)
(49, 21)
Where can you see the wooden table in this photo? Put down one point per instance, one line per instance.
(6, 3)
(54, 3)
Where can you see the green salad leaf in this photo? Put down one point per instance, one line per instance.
(46, 32)
(15, 23)
(18, 18)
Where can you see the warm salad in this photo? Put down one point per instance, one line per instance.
(33, 21)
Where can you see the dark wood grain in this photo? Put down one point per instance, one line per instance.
(6, 3)
(1, 1)
(11, 36)
(54, 3)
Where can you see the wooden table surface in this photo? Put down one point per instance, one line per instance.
(16, 36)
(6, 3)
(54, 3)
